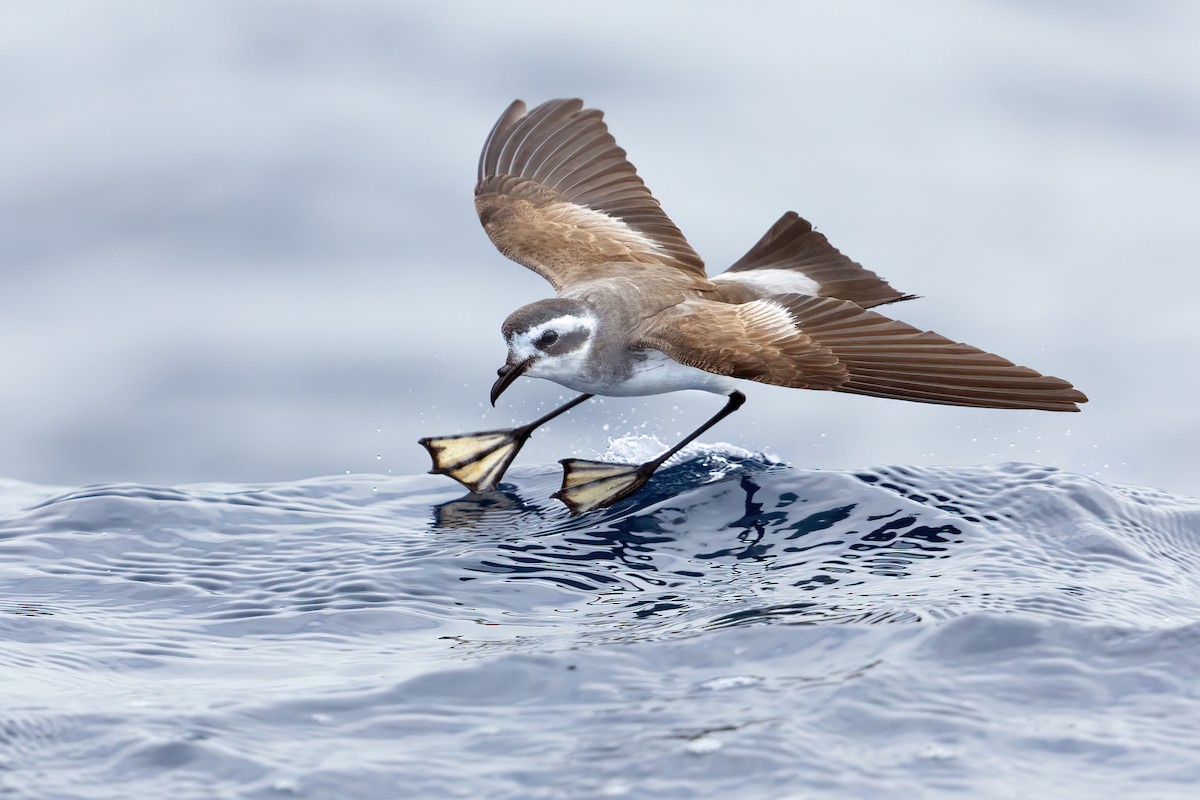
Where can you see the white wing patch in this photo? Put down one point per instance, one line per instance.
(768, 317)
(773, 281)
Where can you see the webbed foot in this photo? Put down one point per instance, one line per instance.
(476, 460)
(588, 485)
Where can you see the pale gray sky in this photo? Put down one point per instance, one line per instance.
(237, 240)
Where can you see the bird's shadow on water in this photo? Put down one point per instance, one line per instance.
(776, 542)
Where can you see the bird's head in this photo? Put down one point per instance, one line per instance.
(547, 339)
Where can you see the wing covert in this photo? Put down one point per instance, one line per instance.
(758, 341)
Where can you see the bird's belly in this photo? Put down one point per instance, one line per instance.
(656, 373)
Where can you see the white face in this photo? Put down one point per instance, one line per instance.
(559, 346)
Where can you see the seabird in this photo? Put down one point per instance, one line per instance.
(636, 314)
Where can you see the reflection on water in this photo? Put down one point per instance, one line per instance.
(786, 527)
(341, 615)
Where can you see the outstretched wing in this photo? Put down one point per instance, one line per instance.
(557, 194)
(826, 343)
(791, 257)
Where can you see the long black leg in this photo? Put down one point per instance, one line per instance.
(564, 408)
(588, 485)
(478, 460)
(733, 404)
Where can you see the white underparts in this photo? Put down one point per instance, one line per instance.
(773, 281)
(653, 373)
(660, 373)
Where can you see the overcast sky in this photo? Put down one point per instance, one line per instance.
(238, 242)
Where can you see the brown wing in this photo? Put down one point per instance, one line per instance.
(871, 354)
(758, 341)
(792, 245)
(557, 194)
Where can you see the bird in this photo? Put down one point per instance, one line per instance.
(635, 312)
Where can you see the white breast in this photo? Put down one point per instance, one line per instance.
(656, 374)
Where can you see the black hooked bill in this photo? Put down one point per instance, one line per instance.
(509, 373)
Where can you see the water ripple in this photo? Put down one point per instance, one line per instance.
(223, 640)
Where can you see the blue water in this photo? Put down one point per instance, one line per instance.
(742, 629)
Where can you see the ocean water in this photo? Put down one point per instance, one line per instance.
(741, 629)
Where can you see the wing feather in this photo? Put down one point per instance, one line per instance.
(826, 343)
(557, 194)
(889, 358)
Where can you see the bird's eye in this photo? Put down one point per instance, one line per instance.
(546, 339)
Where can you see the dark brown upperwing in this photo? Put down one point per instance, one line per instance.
(888, 358)
(792, 244)
(557, 194)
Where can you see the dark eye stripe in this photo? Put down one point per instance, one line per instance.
(567, 342)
